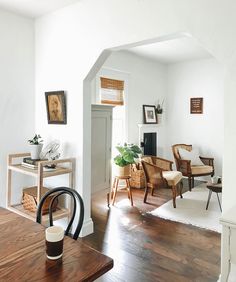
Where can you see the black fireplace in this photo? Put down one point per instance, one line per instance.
(149, 144)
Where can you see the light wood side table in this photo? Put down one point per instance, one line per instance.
(63, 166)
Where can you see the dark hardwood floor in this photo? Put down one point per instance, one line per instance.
(147, 248)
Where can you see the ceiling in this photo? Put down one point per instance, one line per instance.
(34, 8)
(167, 52)
(172, 51)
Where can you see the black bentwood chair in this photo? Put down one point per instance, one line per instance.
(55, 193)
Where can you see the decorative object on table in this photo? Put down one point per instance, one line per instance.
(51, 152)
(149, 114)
(137, 179)
(214, 179)
(36, 144)
(56, 107)
(196, 105)
(128, 153)
(30, 163)
(159, 111)
(29, 200)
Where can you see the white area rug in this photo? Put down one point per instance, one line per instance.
(192, 209)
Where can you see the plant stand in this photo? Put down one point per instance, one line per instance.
(112, 195)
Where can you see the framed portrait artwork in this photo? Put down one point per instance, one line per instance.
(56, 107)
(149, 114)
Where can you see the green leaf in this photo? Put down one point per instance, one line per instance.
(128, 154)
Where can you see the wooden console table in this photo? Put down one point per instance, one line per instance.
(63, 166)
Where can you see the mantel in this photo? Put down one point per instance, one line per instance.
(147, 125)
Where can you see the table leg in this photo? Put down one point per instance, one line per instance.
(129, 191)
(208, 200)
(110, 194)
(219, 201)
(115, 191)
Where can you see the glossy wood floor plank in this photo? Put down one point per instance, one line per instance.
(147, 248)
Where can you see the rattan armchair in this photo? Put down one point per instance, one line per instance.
(189, 170)
(158, 173)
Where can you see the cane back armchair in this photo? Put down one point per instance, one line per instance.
(190, 170)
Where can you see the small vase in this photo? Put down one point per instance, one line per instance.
(35, 150)
(159, 118)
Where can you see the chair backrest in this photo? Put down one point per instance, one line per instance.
(176, 147)
(161, 163)
(57, 192)
(153, 174)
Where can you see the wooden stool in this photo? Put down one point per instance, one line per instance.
(115, 187)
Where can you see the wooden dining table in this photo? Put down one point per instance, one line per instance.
(23, 256)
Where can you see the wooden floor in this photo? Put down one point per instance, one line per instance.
(147, 248)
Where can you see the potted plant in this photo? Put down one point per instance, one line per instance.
(159, 110)
(36, 144)
(127, 155)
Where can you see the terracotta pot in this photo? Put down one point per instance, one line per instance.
(123, 171)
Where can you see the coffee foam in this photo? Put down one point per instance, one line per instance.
(54, 233)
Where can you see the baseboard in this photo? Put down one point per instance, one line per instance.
(87, 228)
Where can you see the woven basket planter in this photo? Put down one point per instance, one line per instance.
(137, 177)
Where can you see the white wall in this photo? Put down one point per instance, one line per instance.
(69, 41)
(146, 82)
(149, 80)
(199, 78)
(16, 90)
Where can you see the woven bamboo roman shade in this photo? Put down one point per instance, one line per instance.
(112, 91)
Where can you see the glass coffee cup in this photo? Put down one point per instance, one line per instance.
(54, 236)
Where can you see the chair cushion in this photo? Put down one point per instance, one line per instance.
(172, 177)
(201, 169)
(193, 156)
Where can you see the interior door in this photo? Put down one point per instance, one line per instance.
(101, 149)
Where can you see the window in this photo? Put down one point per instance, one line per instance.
(112, 91)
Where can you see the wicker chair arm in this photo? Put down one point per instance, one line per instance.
(207, 161)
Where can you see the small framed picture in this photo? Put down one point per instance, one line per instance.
(56, 107)
(196, 105)
(149, 114)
